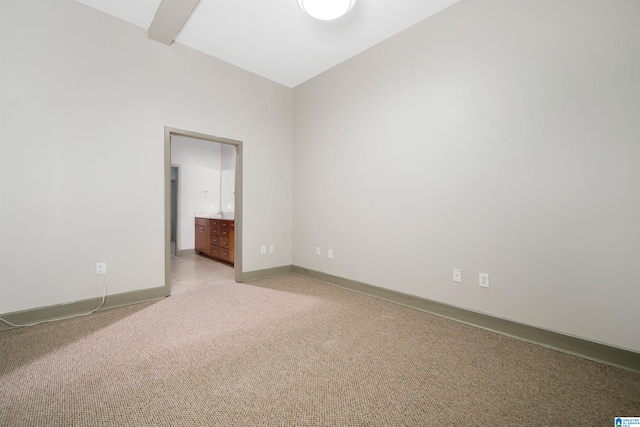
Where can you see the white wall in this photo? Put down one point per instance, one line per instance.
(199, 183)
(498, 137)
(228, 177)
(85, 99)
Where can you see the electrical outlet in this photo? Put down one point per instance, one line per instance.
(318, 253)
(272, 249)
(330, 253)
(263, 249)
(483, 279)
(457, 275)
(101, 268)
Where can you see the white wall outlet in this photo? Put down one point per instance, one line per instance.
(318, 253)
(483, 279)
(272, 249)
(263, 249)
(457, 275)
(330, 253)
(101, 268)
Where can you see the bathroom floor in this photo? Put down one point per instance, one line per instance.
(190, 272)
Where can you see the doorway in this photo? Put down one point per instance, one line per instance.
(171, 181)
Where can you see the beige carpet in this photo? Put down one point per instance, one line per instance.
(291, 351)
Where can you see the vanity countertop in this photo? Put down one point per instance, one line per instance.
(225, 215)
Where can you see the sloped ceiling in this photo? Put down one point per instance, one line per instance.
(275, 38)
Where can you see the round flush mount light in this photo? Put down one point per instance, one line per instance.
(326, 10)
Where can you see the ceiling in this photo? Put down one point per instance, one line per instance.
(275, 38)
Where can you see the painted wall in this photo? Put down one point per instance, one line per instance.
(228, 177)
(199, 183)
(84, 101)
(497, 137)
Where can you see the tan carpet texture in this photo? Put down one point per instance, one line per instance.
(291, 351)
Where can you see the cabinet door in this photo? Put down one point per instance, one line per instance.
(203, 239)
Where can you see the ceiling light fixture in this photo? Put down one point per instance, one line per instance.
(326, 10)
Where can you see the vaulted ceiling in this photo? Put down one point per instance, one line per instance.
(272, 38)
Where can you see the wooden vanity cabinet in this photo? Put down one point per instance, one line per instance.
(215, 239)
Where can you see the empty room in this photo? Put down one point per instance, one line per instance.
(410, 212)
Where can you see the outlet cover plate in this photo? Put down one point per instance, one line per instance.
(101, 268)
(483, 279)
(457, 275)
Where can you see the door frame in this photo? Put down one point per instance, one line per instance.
(177, 213)
(168, 133)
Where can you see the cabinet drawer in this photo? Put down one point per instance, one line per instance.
(224, 232)
(225, 254)
(203, 222)
(215, 231)
(224, 241)
(215, 240)
(215, 251)
(224, 224)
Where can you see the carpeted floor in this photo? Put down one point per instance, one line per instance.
(290, 351)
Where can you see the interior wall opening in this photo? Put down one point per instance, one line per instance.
(203, 210)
